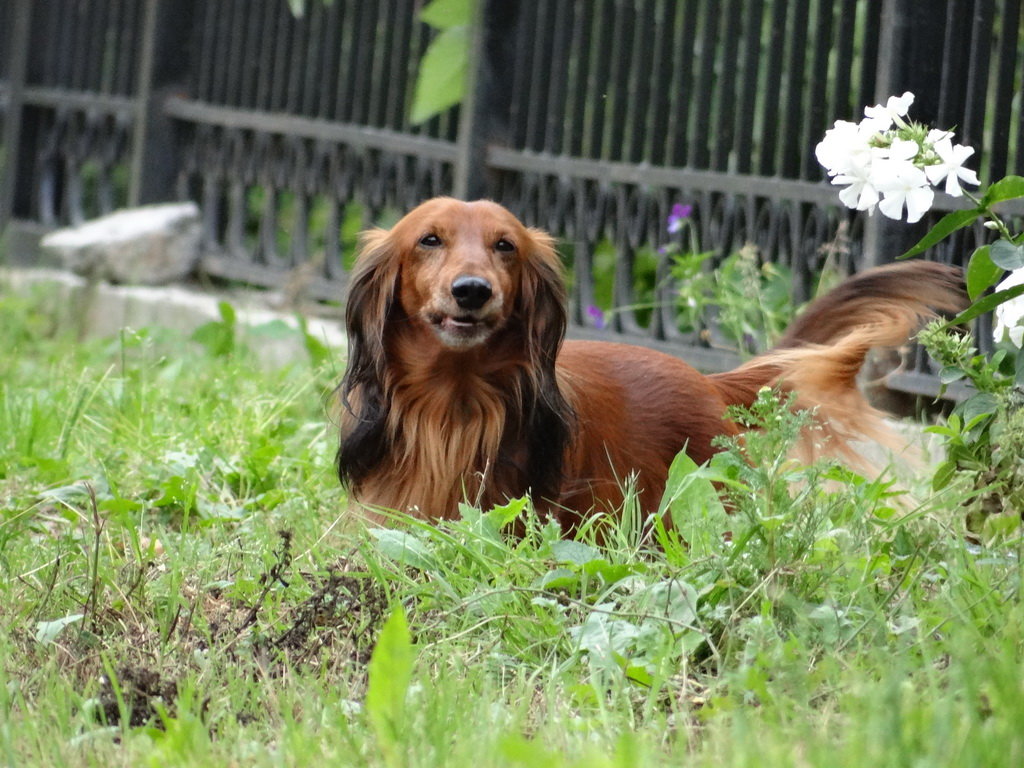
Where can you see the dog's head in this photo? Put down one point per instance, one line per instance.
(462, 271)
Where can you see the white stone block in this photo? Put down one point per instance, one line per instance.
(151, 245)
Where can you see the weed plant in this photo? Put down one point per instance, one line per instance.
(179, 585)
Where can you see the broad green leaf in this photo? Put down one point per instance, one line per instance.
(575, 552)
(951, 373)
(943, 474)
(389, 673)
(1000, 526)
(610, 573)
(986, 304)
(445, 14)
(559, 578)
(1007, 255)
(177, 490)
(47, 631)
(319, 353)
(604, 637)
(976, 408)
(981, 273)
(441, 81)
(504, 514)
(943, 228)
(227, 312)
(217, 336)
(404, 548)
(638, 674)
(119, 506)
(689, 483)
(1007, 188)
(1018, 370)
(672, 598)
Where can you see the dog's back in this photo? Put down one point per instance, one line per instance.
(638, 408)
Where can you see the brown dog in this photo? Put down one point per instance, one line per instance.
(459, 386)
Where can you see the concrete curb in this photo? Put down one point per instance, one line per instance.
(105, 309)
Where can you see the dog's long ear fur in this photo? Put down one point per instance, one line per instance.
(548, 417)
(371, 301)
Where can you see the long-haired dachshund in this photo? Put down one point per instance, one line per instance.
(459, 386)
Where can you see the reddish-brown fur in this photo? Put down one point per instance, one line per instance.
(444, 403)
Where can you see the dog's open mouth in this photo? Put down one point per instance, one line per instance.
(460, 330)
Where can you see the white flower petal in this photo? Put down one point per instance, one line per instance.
(1008, 315)
(950, 166)
(936, 173)
(892, 175)
(876, 119)
(892, 206)
(868, 198)
(849, 196)
(953, 186)
(903, 149)
(1015, 278)
(895, 107)
(966, 174)
(900, 105)
(919, 202)
(842, 147)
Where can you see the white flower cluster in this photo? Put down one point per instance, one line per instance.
(1010, 314)
(887, 162)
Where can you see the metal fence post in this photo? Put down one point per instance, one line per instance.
(12, 123)
(484, 116)
(163, 66)
(909, 59)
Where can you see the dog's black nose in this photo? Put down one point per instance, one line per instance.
(471, 292)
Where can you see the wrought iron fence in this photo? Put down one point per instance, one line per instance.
(590, 119)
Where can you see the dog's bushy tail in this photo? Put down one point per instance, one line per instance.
(910, 289)
(822, 352)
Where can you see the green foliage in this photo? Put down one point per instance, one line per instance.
(985, 430)
(946, 226)
(179, 585)
(752, 301)
(441, 80)
(981, 272)
(984, 433)
(390, 671)
(988, 263)
(218, 336)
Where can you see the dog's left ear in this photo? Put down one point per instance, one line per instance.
(371, 297)
(542, 300)
(368, 310)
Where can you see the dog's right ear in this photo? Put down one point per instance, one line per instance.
(372, 294)
(372, 290)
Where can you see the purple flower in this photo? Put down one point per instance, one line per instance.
(676, 216)
(596, 314)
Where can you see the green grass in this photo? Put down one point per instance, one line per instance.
(179, 586)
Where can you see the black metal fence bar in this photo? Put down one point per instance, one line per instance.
(71, 100)
(352, 135)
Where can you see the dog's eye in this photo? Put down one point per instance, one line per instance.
(504, 246)
(430, 241)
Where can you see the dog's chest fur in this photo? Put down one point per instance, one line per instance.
(451, 440)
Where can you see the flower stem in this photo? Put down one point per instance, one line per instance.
(991, 216)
